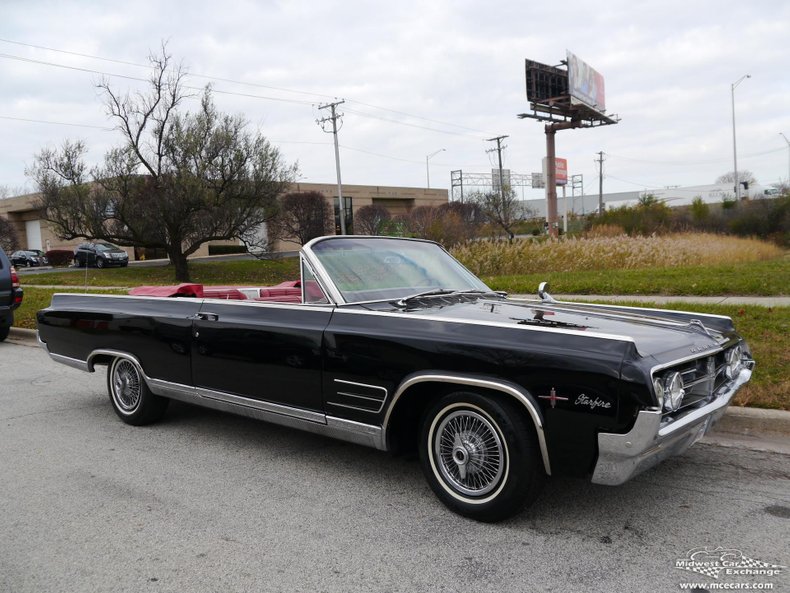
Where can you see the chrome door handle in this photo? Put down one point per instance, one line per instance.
(205, 316)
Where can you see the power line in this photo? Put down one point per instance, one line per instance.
(241, 82)
(410, 125)
(139, 79)
(57, 123)
(692, 163)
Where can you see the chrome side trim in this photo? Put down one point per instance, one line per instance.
(263, 406)
(508, 388)
(266, 304)
(68, 361)
(41, 342)
(172, 390)
(614, 304)
(350, 407)
(515, 326)
(381, 401)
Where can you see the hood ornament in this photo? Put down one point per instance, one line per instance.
(699, 326)
(543, 293)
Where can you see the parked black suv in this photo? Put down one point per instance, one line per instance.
(100, 255)
(10, 295)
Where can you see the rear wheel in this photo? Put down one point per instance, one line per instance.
(480, 456)
(131, 399)
(4, 331)
(99, 262)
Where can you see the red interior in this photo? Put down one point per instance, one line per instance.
(285, 292)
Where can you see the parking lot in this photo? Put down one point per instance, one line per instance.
(207, 501)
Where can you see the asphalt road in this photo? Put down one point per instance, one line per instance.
(207, 501)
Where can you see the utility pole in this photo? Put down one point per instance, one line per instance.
(499, 148)
(600, 181)
(788, 156)
(734, 149)
(333, 118)
(577, 182)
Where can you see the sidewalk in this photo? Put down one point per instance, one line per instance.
(777, 301)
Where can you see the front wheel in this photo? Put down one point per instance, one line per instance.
(99, 262)
(131, 399)
(480, 456)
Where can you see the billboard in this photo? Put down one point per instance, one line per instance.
(560, 171)
(585, 84)
(537, 180)
(545, 83)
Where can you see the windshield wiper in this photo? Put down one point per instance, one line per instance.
(443, 291)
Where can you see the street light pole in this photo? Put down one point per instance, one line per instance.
(427, 167)
(788, 156)
(734, 149)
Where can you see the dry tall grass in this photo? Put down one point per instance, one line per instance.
(610, 252)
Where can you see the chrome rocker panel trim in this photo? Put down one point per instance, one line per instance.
(622, 456)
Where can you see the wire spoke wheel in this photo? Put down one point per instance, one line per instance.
(469, 452)
(126, 386)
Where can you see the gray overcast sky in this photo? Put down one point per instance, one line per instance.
(418, 77)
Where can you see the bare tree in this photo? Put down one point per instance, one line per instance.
(743, 176)
(9, 241)
(422, 221)
(177, 181)
(372, 220)
(501, 209)
(302, 217)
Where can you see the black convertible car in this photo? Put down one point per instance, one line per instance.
(393, 344)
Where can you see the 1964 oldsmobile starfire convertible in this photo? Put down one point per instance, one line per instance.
(393, 344)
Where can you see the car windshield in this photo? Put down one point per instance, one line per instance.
(105, 247)
(371, 269)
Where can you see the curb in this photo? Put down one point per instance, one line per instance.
(743, 422)
(23, 336)
(754, 422)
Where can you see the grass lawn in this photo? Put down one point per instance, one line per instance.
(766, 329)
(762, 278)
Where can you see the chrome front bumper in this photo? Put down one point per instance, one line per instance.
(622, 456)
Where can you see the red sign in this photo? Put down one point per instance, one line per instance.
(561, 170)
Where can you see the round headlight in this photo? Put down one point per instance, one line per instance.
(673, 392)
(734, 356)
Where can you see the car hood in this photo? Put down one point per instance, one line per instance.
(654, 333)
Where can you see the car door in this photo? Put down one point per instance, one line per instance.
(254, 353)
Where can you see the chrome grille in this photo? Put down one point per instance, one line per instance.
(703, 378)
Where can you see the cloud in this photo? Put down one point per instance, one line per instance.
(668, 67)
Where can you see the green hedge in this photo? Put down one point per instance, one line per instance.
(226, 249)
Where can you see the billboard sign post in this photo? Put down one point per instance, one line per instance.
(573, 97)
